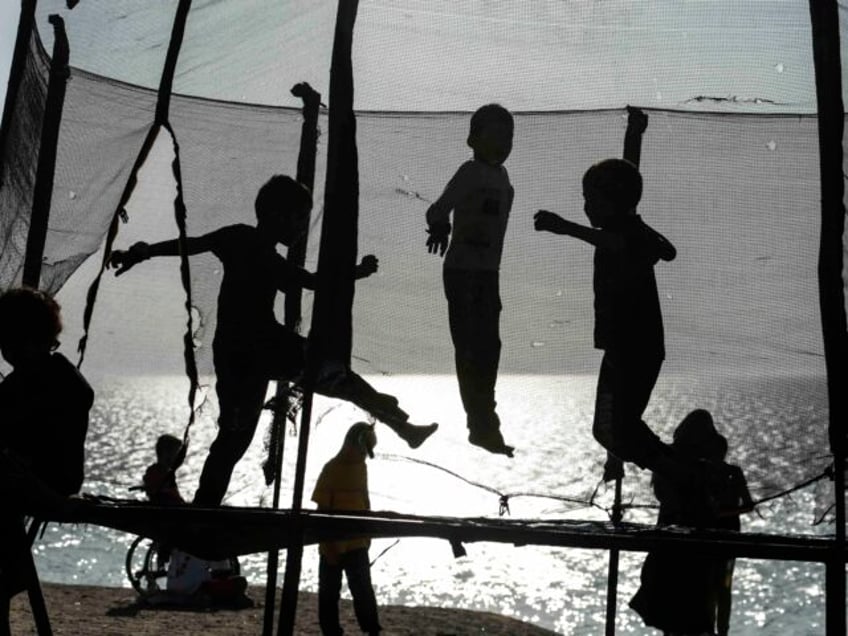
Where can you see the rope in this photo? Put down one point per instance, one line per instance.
(383, 552)
(503, 498)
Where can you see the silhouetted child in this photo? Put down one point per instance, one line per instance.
(628, 319)
(480, 197)
(190, 580)
(250, 347)
(160, 483)
(689, 593)
(343, 486)
(44, 409)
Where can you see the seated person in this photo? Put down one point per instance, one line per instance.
(160, 483)
(44, 408)
(189, 578)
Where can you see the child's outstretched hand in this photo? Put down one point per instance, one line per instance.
(438, 239)
(545, 221)
(125, 259)
(367, 266)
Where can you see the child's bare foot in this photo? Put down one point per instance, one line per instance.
(415, 435)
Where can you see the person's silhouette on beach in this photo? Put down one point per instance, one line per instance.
(343, 486)
(689, 593)
(250, 347)
(480, 196)
(160, 482)
(44, 411)
(729, 487)
(628, 318)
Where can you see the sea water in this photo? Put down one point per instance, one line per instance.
(776, 430)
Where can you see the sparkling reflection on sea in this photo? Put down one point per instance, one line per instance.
(776, 431)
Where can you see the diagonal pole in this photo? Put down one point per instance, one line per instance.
(43, 186)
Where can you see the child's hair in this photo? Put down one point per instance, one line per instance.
(281, 192)
(696, 435)
(30, 315)
(165, 443)
(488, 115)
(619, 181)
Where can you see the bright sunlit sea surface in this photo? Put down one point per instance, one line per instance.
(776, 429)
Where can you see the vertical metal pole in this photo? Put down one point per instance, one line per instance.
(296, 256)
(330, 334)
(824, 18)
(36, 597)
(612, 571)
(637, 122)
(294, 557)
(36, 238)
(43, 194)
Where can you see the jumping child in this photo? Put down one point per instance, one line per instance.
(628, 318)
(480, 196)
(250, 347)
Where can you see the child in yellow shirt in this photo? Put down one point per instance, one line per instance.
(343, 485)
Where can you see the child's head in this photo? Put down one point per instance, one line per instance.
(696, 436)
(30, 323)
(167, 449)
(282, 205)
(490, 134)
(611, 188)
(361, 438)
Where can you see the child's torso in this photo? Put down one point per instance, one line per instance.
(480, 218)
(251, 279)
(627, 308)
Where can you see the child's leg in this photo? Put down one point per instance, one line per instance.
(343, 383)
(358, 572)
(240, 400)
(474, 308)
(329, 589)
(724, 597)
(281, 356)
(625, 383)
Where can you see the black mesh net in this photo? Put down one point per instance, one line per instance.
(729, 158)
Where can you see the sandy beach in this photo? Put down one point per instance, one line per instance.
(107, 611)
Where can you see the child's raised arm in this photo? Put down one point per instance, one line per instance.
(124, 260)
(545, 221)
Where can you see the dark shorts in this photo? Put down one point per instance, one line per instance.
(241, 368)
